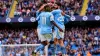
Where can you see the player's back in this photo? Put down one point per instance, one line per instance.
(45, 22)
(37, 14)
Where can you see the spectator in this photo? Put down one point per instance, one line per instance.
(28, 8)
(77, 41)
(24, 12)
(93, 8)
(5, 7)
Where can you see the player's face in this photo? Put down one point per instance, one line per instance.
(56, 6)
(53, 8)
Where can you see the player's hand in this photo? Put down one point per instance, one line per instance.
(44, 5)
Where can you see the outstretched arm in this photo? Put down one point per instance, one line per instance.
(66, 17)
(64, 14)
(41, 8)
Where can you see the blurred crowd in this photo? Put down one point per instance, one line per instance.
(5, 7)
(93, 7)
(83, 41)
(29, 7)
(18, 51)
(18, 36)
(72, 7)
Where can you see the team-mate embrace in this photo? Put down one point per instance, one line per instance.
(45, 20)
(51, 20)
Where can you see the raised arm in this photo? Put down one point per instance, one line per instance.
(67, 16)
(41, 8)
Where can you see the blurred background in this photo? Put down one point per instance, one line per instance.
(82, 37)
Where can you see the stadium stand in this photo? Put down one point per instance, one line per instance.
(81, 38)
(5, 7)
(29, 7)
(13, 7)
(84, 7)
(72, 7)
(93, 8)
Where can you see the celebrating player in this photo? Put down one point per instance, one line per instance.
(59, 18)
(45, 20)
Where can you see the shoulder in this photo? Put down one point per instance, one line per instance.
(37, 12)
(54, 11)
(60, 10)
(42, 13)
(49, 13)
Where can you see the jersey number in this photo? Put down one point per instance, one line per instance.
(44, 20)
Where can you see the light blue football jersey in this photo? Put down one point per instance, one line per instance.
(37, 14)
(45, 19)
(57, 14)
(60, 22)
(58, 18)
(66, 19)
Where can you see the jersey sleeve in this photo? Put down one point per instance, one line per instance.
(37, 13)
(51, 17)
(66, 20)
(53, 12)
(67, 16)
(37, 19)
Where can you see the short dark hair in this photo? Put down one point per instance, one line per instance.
(58, 3)
(43, 1)
(47, 8)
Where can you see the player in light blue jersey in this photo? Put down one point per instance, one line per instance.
(59, 18)
(46, 20)
(39, 11)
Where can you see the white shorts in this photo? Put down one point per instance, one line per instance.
(58, 34)
(44, 37)
(39, 34)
